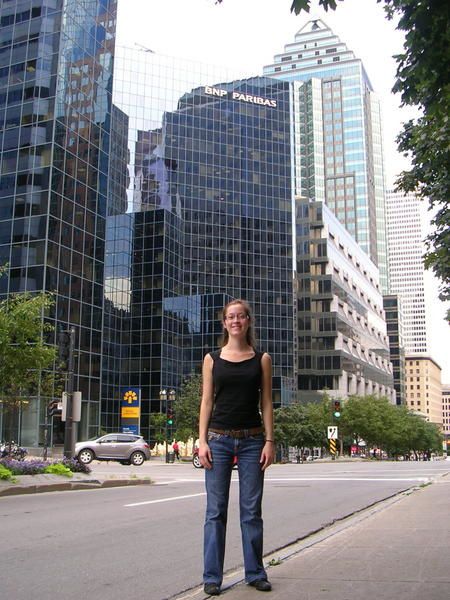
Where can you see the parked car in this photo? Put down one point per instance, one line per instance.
(198, 465)
(126, 448)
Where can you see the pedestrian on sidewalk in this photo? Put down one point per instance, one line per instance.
(237, 384)
(176, 449)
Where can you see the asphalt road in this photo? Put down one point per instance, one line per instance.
(146, 541)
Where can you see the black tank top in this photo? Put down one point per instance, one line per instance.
(237, 388)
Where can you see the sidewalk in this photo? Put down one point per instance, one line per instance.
(399, 550)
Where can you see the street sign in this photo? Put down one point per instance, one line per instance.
(332, 432)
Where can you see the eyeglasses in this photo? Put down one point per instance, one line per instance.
(239, 317)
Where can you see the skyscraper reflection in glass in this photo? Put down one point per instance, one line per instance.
(210, 216)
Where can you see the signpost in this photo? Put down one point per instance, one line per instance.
(332, 432)
(130, 410)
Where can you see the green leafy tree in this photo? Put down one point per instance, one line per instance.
(394, 429)
(24, 355)
(158, 426)
(319, 415)
(187, 407)
(300, 426)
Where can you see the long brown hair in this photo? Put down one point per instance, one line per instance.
(250, 337)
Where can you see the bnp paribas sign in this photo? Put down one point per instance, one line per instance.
(240, 97)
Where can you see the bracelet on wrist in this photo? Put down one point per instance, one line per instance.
(272, 441)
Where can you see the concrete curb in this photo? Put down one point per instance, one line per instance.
(16, 489)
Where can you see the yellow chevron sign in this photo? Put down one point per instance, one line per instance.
(333, 447)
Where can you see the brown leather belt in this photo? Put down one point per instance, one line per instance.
(238, 433)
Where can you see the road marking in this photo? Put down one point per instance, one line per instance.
(396, 479)
(166, 499)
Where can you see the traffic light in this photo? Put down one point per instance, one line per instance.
(52, 408)
(337, 408)
(170, 416)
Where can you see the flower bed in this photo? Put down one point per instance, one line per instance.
(37, 466)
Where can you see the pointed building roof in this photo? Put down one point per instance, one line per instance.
(315, 48)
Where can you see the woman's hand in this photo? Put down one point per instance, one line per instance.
(267, 455)
(205, 456)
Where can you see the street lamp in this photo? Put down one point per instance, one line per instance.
(163, 399)
(169, 417)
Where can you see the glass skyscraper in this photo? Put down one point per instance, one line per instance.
(210, 201)
(337, 134)
(56, 66)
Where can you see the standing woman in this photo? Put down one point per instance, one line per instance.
(237, 389)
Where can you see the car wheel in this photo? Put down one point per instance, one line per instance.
(86, 456)
(137, 459)
(196, 462)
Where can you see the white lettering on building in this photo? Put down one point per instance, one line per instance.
(212, 91)
(215, 91)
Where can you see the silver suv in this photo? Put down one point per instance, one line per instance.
(123, 447)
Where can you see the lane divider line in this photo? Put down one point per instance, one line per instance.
(396, 479)
(165, 500)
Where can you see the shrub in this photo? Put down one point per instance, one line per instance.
(75, 466)
(6, 473)
(58, 469)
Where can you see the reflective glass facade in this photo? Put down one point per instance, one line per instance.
(210, 201)
(394, 322)
(339, 134)
(56, 61)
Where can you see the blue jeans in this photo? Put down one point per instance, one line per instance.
(251, 479)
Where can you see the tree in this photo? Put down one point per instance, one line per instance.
(187, 407)
(158, 425)
(24, 355)
(302, 425)
(393, 429)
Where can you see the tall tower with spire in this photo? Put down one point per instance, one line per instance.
(337, 130)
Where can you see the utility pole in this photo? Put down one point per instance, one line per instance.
(69, 432)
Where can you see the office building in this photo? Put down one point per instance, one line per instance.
(210, 194)
(406, 231)
(423, 387)
(56, 61)
(394, 322)
(343, 346)
(338, 134)
(446, 416)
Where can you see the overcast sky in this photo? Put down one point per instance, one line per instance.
(246, 34)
